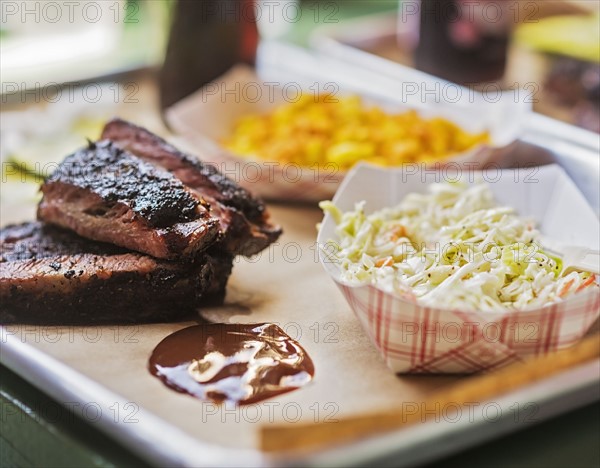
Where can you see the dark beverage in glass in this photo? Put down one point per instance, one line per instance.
(207, 38)
(462, 45)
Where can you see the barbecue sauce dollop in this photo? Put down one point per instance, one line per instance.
(241, 363)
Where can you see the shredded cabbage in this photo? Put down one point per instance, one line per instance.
(452, 247)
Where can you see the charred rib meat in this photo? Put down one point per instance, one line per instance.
(51, 276)
(244, 220)
(106, 194)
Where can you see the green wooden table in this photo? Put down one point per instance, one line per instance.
(35, 430)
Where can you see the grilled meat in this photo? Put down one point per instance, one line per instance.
(106, 194)
(132, 190)
(243, 219)
(51, 276)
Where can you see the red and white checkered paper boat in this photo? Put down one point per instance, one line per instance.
(417, 339)
(208, 116)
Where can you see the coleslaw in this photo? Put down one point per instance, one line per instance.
(453, 247)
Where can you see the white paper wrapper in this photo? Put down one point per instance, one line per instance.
(417, 339)
(208, 116)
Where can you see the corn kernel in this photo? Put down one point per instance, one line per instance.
(342, 130)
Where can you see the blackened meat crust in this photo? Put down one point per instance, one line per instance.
(36, 241)
(147, 145)
(107, 194)
(119, 177)
(51, 276)
(244, 219)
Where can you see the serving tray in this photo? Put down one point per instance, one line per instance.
(100, 373)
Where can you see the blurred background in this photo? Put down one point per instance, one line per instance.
(67, 66)
(549, 48)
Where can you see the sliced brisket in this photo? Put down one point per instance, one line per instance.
(51, 276)
(244, 220)
(107, 194)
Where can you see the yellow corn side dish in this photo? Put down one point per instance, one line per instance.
(326, 129)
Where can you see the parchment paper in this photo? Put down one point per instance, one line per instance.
(285, 285)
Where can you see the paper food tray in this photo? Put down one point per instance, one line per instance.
(208, 116)
(413, 338)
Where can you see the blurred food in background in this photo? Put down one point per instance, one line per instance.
(573, 90)
(565, 54)
(324, 128)
(550, 49)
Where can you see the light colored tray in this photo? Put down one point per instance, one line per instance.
(101, 372)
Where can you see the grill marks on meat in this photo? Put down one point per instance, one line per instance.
(52, 276)
(107, 194)
(243, 219)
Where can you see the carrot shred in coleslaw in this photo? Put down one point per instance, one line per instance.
(453, 247)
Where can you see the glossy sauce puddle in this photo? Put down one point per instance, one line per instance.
(241, 363)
